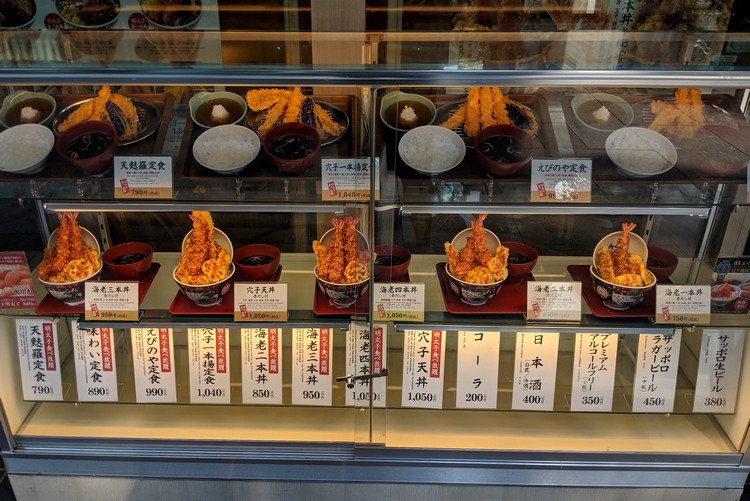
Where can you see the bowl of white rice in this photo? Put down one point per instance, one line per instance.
(431, 149)
(226, 149)
(640, 152)
(24, 148)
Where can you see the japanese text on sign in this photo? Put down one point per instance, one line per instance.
(594, 372)
(153, 365)
(96, 376)
(535, 370)
(477, 374)
(208, 350)
(312, 380)
(423, 376)
(361, 347)
(39, 359)
(720, 360)
(261, 366)
(656, 372)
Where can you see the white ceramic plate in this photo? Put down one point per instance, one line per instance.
(640, 152)
(431, 149)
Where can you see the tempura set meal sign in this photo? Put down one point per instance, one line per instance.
(561, 180)
(346, 179)
(138, 177)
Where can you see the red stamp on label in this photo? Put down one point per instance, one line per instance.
(381, 310)
(537, 309)
(124, 186)
(665, 313)
(94, 311)
(541, 190)
(332, 188)
(138, 21)
(54, 22)
(243, 311)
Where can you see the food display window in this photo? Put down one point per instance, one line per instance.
(391, 249)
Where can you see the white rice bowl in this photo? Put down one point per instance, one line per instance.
(431, 149)
(24, 148)
(226, 149)
(640, 152)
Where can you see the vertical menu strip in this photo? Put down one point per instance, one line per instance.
(656, 372)
(261, 366)
(153, 361)
(39, 359)
(477, 372)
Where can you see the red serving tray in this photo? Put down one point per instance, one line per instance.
(511, 299)
(51, 306)
(580, 273)
(322, 307)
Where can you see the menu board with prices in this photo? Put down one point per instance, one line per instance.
(361, 346)
(553, 301)
(262, 357)
(16, 289)
(424, 369)
(477, 373)
(683, 304)
(402, 302)
(153, 365)
(720, 360)
(656, 370)
(108, 301)
(260, 302)
(345, 179)
(39, 358)
(730, 285)
(594, 366)
(96, 370)
(208, 352)
(561, 180)
(535, 371)
(312, 380)
(139, 177)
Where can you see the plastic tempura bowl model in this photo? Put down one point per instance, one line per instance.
(128, 261)
(391, 262)
(73, 293)
(207, 294)
(619, 297)
(257, 262)
(469, 293)
(342, 295)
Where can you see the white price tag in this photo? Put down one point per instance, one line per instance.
(108, 301)
(683, 304)
(345, 179)
(96, 370)
(153, 365)
(262, 366)
(656, 372)
(208, 351)
(720, 360)
(403, 302)
(39, 358)
(535, 371)
(424, 369)
(553, 301)
(561, 180)
(260, 302)
(477, 373)
(312, 380)
(147, 176)
(594, 366)
(360, 347)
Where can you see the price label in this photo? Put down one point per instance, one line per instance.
(153, 365)
(562, 180)
(345, 179)
(424, 369)
(96, 371)
(108, 301)
(208, 351)
(402, 302)
(361, 346)
(553, 301)
(139, 177)
(720, 361)
(477, 375)
(683, 304)
(262, 366)
(656, 372)
(594, 372)
(535, 371)
(39, 358)
(312, 381)
(18, 291)
(260, 302)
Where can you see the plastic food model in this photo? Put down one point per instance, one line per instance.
(487, 106)
(203, 260)
(115, 109)
(342, 261)
(682, 117)
(71, 259)
(290, 106)
(474, 263)
(621, 267)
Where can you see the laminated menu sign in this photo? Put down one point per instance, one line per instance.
(594, 365)
(561, 180)
(424, 369)
(39, 357)
(111, 300)
(361, 346)
(260, 302)
(96, 370)
(730, 285)
(138, 177)
(683, 304)
(553, 301)
(16, 291)
(345, 179)
(261, 366)
(312, 368)
(153, 365)
(208, 352)
(399, 301)
(656, 372)
(477, 373)
(535, 371)
(719, 364)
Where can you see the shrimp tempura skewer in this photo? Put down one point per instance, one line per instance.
(351, 240)
(481, 251)
(622, 250)
(335, 253)
(471, 125)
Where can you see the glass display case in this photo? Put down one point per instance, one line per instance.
(442, 320)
